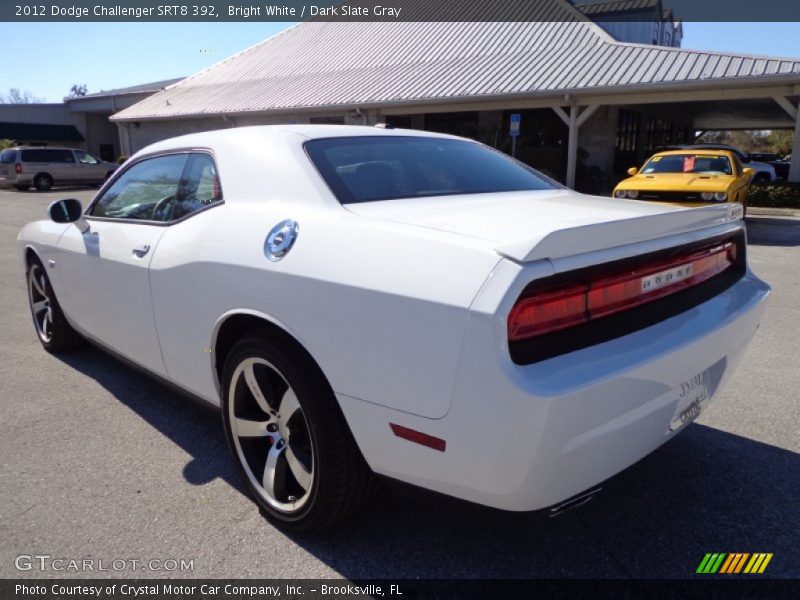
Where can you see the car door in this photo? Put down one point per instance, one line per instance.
(61, 164)
(89, 168)
(105, 268)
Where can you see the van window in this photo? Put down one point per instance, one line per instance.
(85, 158)
(8, 157)
(48, 155)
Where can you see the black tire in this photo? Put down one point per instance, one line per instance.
(761, 178)
(22, 188)
(54, 332)
(43, 182)
(340, 479)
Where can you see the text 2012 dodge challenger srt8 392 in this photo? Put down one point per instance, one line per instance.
(364, 301)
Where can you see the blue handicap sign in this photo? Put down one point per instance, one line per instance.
(515, 121)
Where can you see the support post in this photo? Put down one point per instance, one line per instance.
(794, 167)
(572, 146)
(574, 121)
(124, 139)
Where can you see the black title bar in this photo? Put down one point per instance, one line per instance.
(392, 10)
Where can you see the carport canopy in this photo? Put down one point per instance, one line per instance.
(39, 132)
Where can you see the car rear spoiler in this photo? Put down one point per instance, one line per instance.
(601, 236)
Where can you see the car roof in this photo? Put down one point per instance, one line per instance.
(243, 134)
(42, 148)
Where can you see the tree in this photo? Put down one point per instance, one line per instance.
(15, 96)
(7, 144)
(77, 90)
(780, 141)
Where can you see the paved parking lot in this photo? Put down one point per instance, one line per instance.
(98, 461)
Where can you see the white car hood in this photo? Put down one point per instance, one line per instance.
(527, 226)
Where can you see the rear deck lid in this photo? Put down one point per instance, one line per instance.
(527, 226)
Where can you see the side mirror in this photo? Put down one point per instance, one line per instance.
(68, 211)
(633, 171)
(748, 171)
(65, 211)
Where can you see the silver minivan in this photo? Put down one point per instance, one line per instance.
(43, 168)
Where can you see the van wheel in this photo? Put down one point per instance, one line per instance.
(22, 188)
(43, 182)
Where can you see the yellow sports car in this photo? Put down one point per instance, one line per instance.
(689, 178)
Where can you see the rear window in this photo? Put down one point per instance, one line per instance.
(8, 157)
(48, 156)
(370, 168)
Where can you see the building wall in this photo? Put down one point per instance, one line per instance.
(643, 31)
(101, 131)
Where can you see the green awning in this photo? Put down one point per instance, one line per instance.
(39, 132)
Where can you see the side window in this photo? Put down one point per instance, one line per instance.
(59, 156)
(145, 191)
(199, 187)
(33, 156)
(85, 158)
(737, 165)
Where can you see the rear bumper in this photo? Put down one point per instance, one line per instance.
(15, 180)
(527, 437)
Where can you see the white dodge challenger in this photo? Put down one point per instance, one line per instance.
(364, 301)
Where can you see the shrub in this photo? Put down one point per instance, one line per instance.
(7, 144)
(774, 195)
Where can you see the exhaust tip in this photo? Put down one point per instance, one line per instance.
(574, 502)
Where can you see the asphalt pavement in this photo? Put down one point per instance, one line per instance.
(97, 461)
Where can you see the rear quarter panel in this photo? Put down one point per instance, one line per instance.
(381, 307)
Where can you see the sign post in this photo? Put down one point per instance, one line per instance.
(514, 132)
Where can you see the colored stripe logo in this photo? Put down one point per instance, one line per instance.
(734, 562)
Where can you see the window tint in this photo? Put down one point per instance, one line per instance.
(47, 156)
(145, 191)
(688, 163)
(199, 187)
(365, 169)
(85, 158)
(8, 157)
(738, 164)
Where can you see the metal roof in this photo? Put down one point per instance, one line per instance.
(142, 88)
(325, 65)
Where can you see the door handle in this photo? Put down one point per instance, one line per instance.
(140, 251)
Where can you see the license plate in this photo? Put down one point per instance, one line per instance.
(670, 276)
(692, 398)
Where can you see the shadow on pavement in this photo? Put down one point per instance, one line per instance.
(766, 231)
(706, 491)
(192, 426)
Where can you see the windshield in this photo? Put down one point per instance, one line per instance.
(689, 163)
(369, 168)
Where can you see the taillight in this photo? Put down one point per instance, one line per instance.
(553, 309)
(547, 311)
(18, 169)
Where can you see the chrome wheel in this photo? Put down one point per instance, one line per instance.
(271, 435)
(41, 307)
